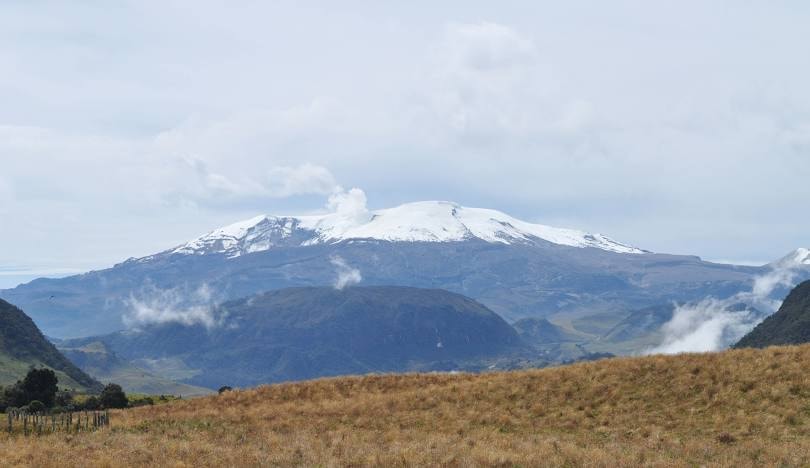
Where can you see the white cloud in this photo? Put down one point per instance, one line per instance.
(204, 185)
(349, 204)
(287, 181)
(346, 275)
(714, 324)
(487, 82)
(492, 90)
(485, 47)
(154, 306)
(708, 325)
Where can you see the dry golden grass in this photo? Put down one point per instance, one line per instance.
(737, 408)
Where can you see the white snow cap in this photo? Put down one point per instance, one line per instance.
(224, 239)
(802, 256)
(798, 258)
(429, 221)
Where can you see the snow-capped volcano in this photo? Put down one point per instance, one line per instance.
(431, 221)
(796, 259)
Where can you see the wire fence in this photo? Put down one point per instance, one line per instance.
(24, 422)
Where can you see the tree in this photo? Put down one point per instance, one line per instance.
(15, 397)
(113, 396)
(224, 389)
(92, 403)
(63, 398)
(40, 384)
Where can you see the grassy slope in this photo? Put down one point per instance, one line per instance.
(135, 380)
(12, 370)
(23, 345)
(95, 359)
(737, 408)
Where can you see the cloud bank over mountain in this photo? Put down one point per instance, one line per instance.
(158, 120)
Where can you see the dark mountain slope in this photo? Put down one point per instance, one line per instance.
(302, 333)
(789, 325)
(23, 345)
(517, 281)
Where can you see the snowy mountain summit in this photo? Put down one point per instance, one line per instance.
(802, 256)
(431, 221)
(799, 258)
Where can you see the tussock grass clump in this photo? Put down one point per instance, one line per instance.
(736, 408)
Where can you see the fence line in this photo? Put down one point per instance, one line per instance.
(41, 423)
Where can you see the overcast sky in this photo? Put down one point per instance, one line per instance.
(679, 127)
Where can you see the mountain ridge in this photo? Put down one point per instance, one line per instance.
(540, 280)
(23, 345)
(514, 268)
(788, 325)
(427, 221)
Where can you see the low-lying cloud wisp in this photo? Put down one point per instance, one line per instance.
(707, 325)
(346, 275)
(714, 324)
(154, 306)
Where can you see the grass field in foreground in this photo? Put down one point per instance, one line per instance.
(735, 408)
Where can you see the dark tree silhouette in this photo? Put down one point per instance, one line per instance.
(41, 385)
(92, 403)
(113, 396)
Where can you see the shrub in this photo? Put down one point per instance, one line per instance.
(145, 401)
(63, 398)
(36, 406)
(224, 389)
(15, 396)
(92, 403)
(113, 396)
